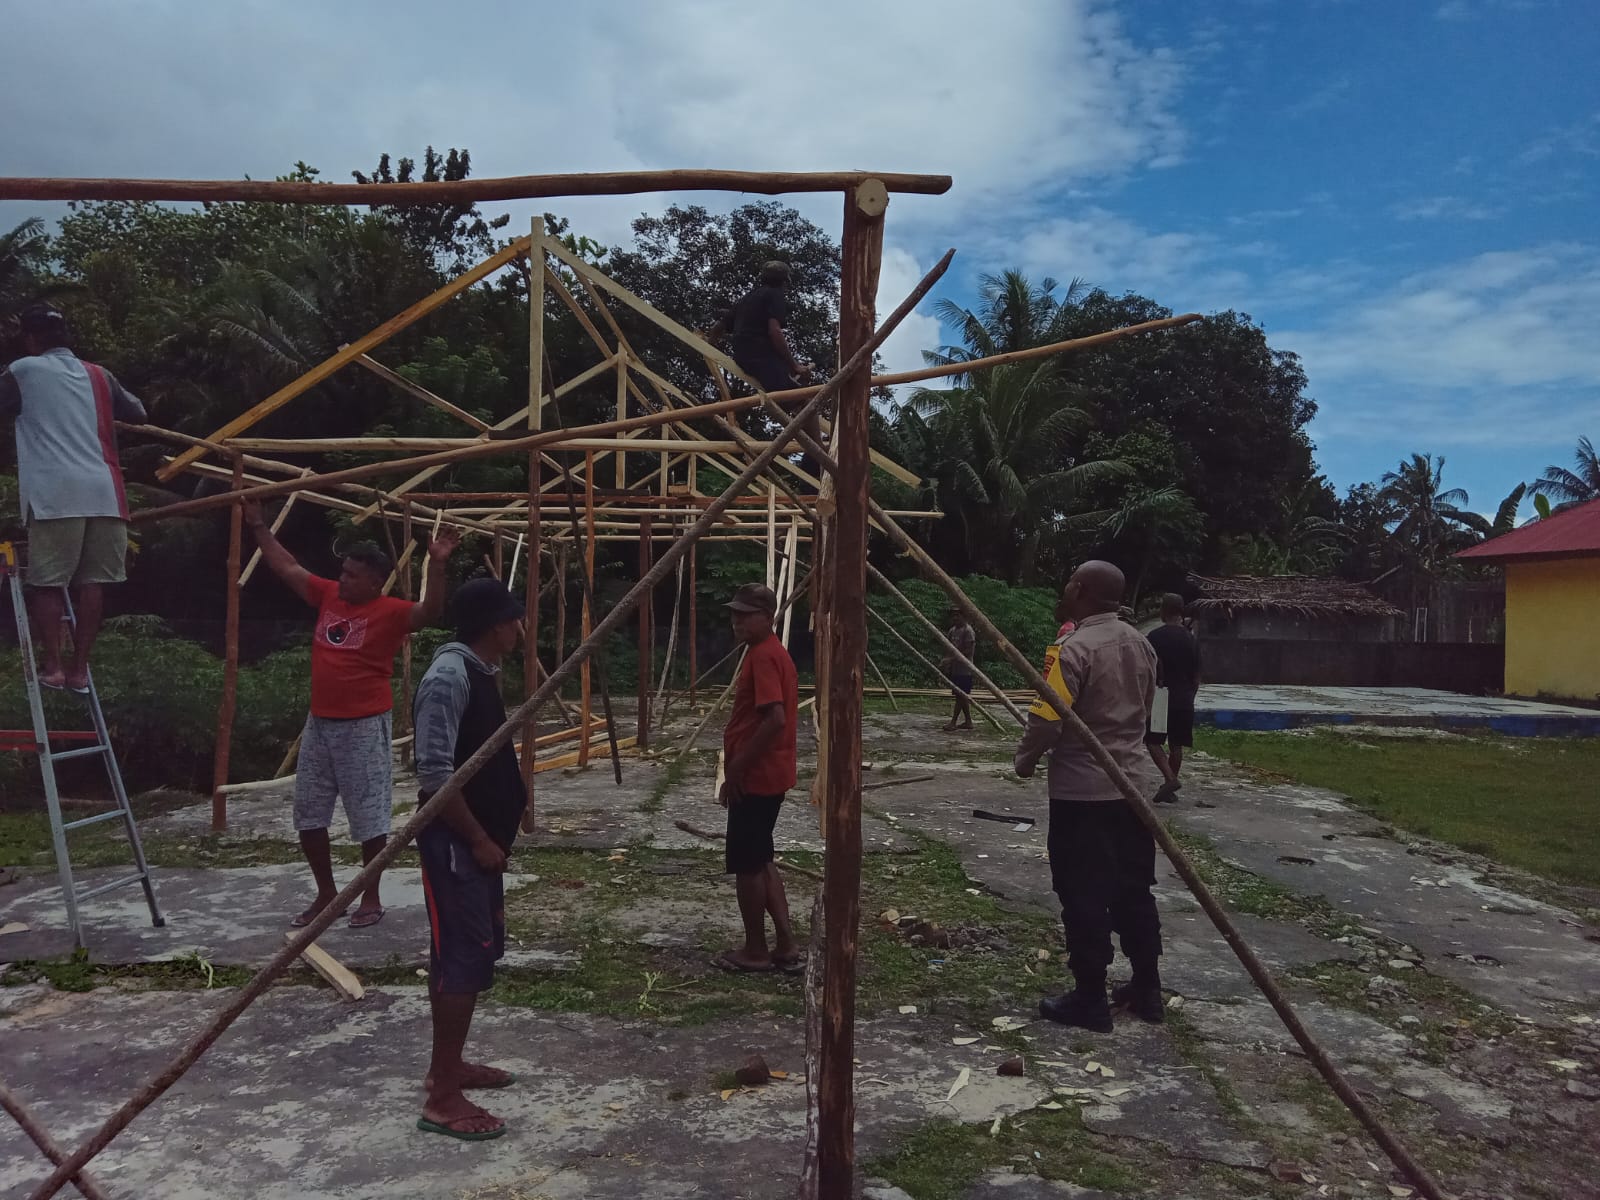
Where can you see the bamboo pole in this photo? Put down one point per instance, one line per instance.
(694, 623)
(483, 449)
(464, 191)
(883, 683)
(421, 393)
(861, 256)
(587, 615)
(86, 1184)
(646, 637)
(772, 530)
(561, 601)
(530, 636)
(230, 668)
(672, 647)
(791, 549)
(408, 535)
(949, 646)
(243, 997)
(277, 524)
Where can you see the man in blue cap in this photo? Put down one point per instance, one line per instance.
(463, 851)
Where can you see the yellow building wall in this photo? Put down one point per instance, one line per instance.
(1553, 628)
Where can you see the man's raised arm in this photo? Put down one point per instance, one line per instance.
(428, 611)
(284, 565)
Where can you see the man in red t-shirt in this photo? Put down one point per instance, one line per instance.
(345, 746)
(759, 767)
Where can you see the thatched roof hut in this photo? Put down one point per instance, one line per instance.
(1290, 606)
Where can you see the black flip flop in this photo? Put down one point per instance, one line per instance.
(723, 963)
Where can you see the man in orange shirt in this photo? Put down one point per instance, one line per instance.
(345, 746)
(759, 767)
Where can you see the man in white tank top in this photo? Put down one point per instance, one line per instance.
(70, 482)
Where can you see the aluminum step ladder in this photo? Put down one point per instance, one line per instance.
(95, 742)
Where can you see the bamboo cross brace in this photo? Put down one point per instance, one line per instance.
(86, 1184)
(452, 788)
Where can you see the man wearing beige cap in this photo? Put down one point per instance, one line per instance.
(759, 767)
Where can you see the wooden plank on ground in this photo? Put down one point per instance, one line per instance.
(340, 977)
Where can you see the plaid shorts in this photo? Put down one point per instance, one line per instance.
(349, 760)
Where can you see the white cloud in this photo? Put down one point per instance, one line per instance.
(1507, 319)
(1436, 208)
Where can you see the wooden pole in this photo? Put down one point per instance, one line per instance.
(464, 191)
(862, 252)
(949, 647)
(646, 650)
(663, 700)
(561, 602)
(694, 622)
(240, 999)
(883, 683)
(585, 696)
(772, 531)
(87, 1185)
(530, 637)
(402, 723)
(230, 667)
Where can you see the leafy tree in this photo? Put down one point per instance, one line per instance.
(1577, 486)
(1505, 517)
(693, 264)
(453, 235)
(1234, 407)
(1001, 448)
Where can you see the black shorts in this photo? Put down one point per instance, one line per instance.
(466, 914)
(1180, 722)
(750, 824)
(771, 372)
(962, 684)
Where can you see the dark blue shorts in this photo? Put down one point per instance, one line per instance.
(466, 914)
(962, 684)
(767, 369)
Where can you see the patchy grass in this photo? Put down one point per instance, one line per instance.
(671, 776)
(1190, 1046)
(1246, 892)
(1446, 1012)
(942, 1159)
(78, 974)
(1528, 802)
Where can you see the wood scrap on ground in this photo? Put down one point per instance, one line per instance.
(340, 977)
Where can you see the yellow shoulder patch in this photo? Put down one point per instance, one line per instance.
(1052, 675)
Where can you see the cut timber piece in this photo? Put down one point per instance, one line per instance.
(340, 977)
(349, 354)
(421, 393)
(571, 759)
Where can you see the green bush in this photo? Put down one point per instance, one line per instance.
(1025, 615)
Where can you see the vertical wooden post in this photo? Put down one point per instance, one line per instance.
(530, 636)
(402, 723)
(772, 533)
(499, 555)
(694, 627)
(646, 634)
(585, 695)
(862, 254)
(561, 602)
(230, 668)
(622, 413)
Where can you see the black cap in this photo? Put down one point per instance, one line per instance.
(754, 597)
(481, 604)
(42, 319)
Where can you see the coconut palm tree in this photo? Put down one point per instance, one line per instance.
(1429, 520)
(1575, 486)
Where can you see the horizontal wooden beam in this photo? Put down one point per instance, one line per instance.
(464, 191)
(420, 444)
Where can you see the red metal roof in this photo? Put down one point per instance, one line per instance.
(1573, 531)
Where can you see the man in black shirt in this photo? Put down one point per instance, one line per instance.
(1178, 671)
(754, 329)
(458, 706)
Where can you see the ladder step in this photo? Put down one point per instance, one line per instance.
(114, 815)
(63, 755)
(106, 887)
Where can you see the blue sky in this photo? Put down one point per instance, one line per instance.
(1403, 192)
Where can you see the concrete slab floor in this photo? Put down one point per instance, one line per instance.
(1283, 706)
